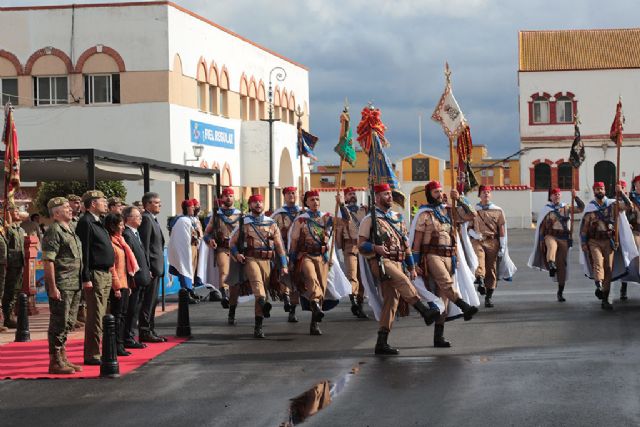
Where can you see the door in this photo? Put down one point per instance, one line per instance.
(605, 171)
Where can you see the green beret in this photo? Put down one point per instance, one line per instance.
(56, 201)
(74, 198)
(92, 194)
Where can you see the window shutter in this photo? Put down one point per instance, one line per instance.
(35, 91)
(115, 88)
(87, 90)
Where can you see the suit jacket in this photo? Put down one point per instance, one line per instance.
(153, 243)
(97, 251)
(142, 277)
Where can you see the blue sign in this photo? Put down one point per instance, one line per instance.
(214, 136)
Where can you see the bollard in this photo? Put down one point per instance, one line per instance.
(22, 331)
(184, 327)
(109, 367)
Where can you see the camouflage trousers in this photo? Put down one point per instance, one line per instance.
(62, 318)
(12, 285)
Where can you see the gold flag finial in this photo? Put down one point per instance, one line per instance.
(447, 72)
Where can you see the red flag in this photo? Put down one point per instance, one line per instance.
(11, 156)
(616, 126)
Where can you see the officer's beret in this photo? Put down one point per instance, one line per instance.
(92, 194)
(112, 201)
(73, 198)
(55, 202)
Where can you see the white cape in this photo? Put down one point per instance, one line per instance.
(536, 259)
(507, 268)
(627, 250)
(179, 247)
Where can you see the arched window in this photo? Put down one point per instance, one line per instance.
(564, 110)
(542, 176)
(605, 171)
(541, 110)
(565, 176)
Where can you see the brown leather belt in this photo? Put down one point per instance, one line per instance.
(353, 242)
(395, 254)
(315, 250)
(223, 244)
(558, 233)
(259, 253)
(445, 251)
(600, 235)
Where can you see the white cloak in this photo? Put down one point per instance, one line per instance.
(536, 259)
(507, 268)
(179, 247)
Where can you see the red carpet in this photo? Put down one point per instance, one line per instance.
(30, 360)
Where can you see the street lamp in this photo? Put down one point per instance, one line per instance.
(281, 74)
(197, 153)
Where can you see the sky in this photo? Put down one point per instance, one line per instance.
(393, 53)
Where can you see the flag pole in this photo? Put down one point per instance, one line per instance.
(616, 208)
(576, 122)
(454, 184)
(300, 113)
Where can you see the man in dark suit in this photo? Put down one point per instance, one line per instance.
(141, 280)
(153, 245)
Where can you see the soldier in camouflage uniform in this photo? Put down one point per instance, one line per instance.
(15, 266)
(75, 202)
(62, 257)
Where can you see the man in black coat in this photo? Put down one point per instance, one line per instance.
(141, 280)
(153, 245)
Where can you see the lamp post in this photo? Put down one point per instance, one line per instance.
(281, 74)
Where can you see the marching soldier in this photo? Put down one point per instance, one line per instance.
(261, 240)
(15, 266)
(553, 238)
(630, 217)
(394, 252)
(348, 242)
(284, 218)
(633, 214)
(62, 256)
(489, 241)
(434, 247)
(218, 236)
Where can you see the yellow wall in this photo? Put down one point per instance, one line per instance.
(434, 164)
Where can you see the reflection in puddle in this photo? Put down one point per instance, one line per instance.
(317, 397)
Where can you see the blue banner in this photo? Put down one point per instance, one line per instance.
(214, 136)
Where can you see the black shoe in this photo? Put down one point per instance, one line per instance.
(429, 315)
(287, 303)
(231, 320)
(438, 337)
(559, 295)
(553, 269)
(92, 362)
(361, 313)
(315, 329)
(292, 315)
(623, 291)
(354, 305)
(147, 337)
(134, 344)
(468, 310)
(382, 347)
(606, 305)
(599, 291)
(480, 282)
(317, 313)
(122, 352)
(487, 299)
(224, 302)
(265, 306)
(257, 330)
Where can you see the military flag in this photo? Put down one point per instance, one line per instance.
(11, 157)
(345, 144)
(617, 125)
(448, 112)
(306, 143)
(466, 178)
(577, 155)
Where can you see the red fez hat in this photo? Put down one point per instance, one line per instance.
(187, 203)
(554, 191)
(636, 179)
(312, 193)
(484, 188)
(286, 190)
(348, 190)
(194, 202)
(380, 188)
(256, 198)
(432, 185)
(227, 191)
(622, 183)
(598, 184)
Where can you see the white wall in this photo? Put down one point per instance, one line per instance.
(515, 203)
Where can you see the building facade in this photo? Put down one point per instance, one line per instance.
(153, 80)
(583, 72)
(488, 170)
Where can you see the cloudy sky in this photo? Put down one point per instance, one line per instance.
(392, 52)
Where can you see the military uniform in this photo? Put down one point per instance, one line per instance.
(261, 240)
(348, 242)
(220, 228)
(62, 247)
(284, 218)
(15, 267)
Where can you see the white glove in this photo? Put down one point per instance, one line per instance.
(503, 246)
(475, 234)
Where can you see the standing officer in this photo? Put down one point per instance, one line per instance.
(15, 266)
(218, 235)
(394, 251)
(284, 217)
(348, 242)
(97, 259)
(262, 239)
(75, 202)
(62, 257)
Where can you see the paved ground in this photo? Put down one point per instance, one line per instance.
(530, 361)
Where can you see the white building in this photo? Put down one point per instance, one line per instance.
(577, 71)
(152, 80)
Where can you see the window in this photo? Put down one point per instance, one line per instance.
(291, 117)
(102, 89)
(565, 176)
(541, 110)
(564, 110)
(50, 90)
(9, 89)
(213, 100)
(222, 107)
(243, 107)
(252, 108)
(204, 197)
(202, 96)
(542, 176)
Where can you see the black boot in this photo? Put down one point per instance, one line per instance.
(354, 305)
(315, 329)
(553, 269)
(265, 306)
(287, 303)
(480, 282)
(232, 315)
(316, 312)
(429, 314)
(598, 289)
(361, 313)
(623, 291)
(257, 330)
(467, 310)
(487, 299)
(438, 337)
(381, 345)
(606, 305)
(560, 291)
(225, 298)
(292, 314)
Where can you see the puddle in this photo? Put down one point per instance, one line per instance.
(318, 397)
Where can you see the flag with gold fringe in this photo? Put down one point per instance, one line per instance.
(345, 144)
(11, 156)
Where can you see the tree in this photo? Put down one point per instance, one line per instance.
(51, 189)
